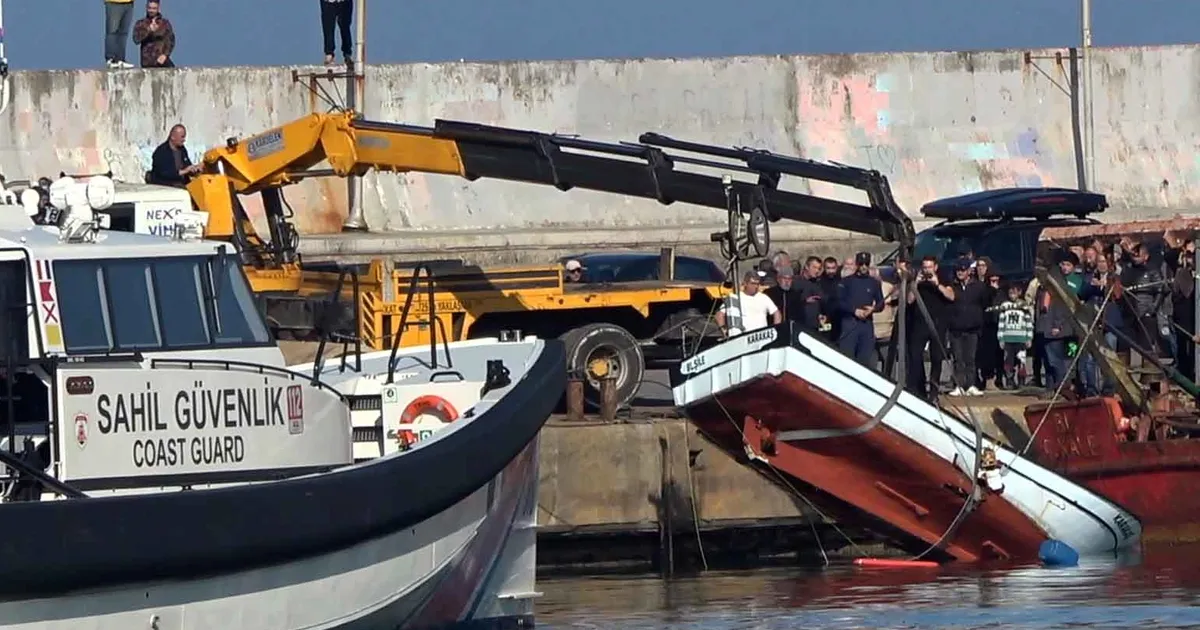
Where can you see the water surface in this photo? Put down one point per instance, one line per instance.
(1155, 589)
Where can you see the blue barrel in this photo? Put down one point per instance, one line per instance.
(1056, 553)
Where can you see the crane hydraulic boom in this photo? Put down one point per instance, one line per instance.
(266, 162)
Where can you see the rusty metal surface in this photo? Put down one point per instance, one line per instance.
(608, 399)
(1115, 230)
(575, 400)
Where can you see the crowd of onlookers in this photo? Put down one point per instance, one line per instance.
(995, 332)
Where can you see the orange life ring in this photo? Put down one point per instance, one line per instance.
(435, 405)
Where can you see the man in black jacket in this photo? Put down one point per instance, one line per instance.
(937, 297)
(810, 295)
(831, 277)
(783, 294)
(964, 321)
(170, 165)
(1145, 291)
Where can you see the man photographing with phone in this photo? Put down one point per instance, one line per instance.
(937, 297)
(156, 36)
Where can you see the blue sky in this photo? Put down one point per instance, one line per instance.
(268, 32)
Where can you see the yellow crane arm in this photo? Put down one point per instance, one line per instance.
(351, 146)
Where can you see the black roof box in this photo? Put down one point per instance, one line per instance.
(1016, 203)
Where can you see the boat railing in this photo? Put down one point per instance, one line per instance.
(326, 330)
(193, 364)
(435, 324)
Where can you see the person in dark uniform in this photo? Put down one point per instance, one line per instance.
(937, 296)
(860, 296)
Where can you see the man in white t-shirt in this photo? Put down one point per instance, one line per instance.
(750, 310)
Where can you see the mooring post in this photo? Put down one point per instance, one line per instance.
(666, 513)
(575, 398)
(608, 399)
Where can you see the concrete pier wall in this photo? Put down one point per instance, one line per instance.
(936, 123)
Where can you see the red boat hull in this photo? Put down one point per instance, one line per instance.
(1156, 480)
(878, 478)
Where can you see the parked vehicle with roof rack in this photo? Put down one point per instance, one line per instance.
(1003, 224)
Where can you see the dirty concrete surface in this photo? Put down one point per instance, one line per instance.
(936, 124)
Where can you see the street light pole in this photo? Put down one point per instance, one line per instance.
(355, 222)
(1089, 128)
(5, 92)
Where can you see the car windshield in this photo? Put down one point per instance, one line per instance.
(623, 268)
(1005, 247)
(946, 246)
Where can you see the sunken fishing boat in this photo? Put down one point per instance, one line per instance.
(854, 442)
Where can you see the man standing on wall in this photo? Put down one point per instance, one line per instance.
(156, 36)
(337, 12)
(118, 14)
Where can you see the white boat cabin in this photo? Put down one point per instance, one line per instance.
(134, 363)
(135, 207)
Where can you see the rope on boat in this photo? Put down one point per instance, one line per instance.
(687, 449)
(972, 500)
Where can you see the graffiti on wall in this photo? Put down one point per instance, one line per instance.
(854, 119)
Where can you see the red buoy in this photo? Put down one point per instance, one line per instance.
(891, 563)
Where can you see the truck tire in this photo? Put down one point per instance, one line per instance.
(591, 344)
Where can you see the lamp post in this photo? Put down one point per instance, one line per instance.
(4, 82)
(355, 222)
(1089, 130)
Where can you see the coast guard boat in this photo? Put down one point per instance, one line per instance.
(163, 469)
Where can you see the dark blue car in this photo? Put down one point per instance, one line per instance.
(621, 267)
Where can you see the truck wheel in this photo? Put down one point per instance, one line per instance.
(596, 351)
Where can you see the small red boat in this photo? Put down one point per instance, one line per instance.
(882, 458)
(1145, 463)
(1136, 447)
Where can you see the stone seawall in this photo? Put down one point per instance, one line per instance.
(936, 123)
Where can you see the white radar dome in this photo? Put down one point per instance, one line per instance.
(100, 192)
(30, 199)
(59, 190)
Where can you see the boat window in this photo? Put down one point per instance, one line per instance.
(132, 305)
(238, 318)
(14, 319)
(156, 304)
(82, 306)
(181, 302)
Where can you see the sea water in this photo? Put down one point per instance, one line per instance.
(1157, 588)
